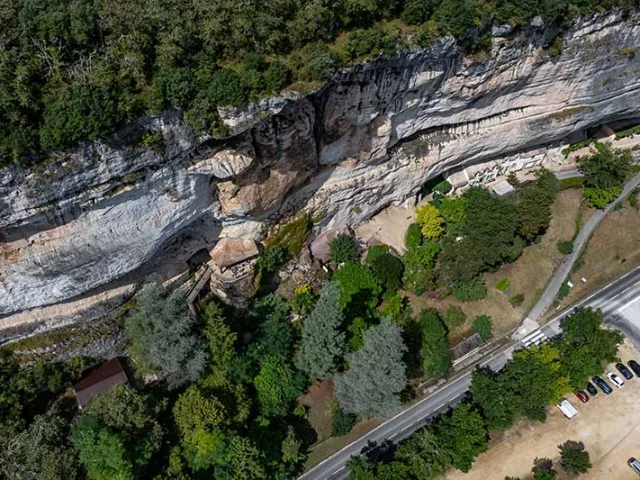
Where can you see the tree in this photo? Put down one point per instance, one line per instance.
(376, 373)
(359, 287)
(574, 458)
(543, 469)
(246, 460)
(483, 325)
(454, 317)
(387, 269)
(498, 399)
(343, 248)
(220, 340)
(586, 346)
(102, 452)
(303, 300)
(419, 261)
(565, 247)
(605, 173)
(40, 452)
(162, 336)
(453, 210)
(323, 343)
(277, 384)
(434, 351)
(430, 221)
(534, 211)
(194, 410)
(274, 335)
(424, 455)
(463, 435)
(133, 415)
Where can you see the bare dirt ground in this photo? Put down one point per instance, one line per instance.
(609, 426)
(613, 250)
(527, 275)
(388, 227)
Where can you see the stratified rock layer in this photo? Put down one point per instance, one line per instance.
(371, 137)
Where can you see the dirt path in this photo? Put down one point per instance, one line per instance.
(609, 426)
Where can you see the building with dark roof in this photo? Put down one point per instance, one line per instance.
(100, 380)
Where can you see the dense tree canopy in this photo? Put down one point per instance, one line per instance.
(162, 336)
(72, 70)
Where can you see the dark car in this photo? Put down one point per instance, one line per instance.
(635, 366)
(602, 385)
(582, 396)
(626, 373)
(593, 391)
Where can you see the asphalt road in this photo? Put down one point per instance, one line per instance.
(611, 299)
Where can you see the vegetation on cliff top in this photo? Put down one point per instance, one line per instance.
(79, 69)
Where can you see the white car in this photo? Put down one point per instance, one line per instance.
(617, 381)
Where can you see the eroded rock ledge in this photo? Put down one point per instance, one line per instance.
(109, 213)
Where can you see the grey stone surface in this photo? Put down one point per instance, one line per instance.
(371, 137)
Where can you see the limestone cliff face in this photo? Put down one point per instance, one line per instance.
(109, 212)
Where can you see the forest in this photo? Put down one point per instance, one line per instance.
(73, 70)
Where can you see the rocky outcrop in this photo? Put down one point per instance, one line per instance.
(111, 212)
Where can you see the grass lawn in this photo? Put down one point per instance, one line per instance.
(528, 275)
(613, 250)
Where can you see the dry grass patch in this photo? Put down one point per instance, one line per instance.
(527, 275)
(335, 444)
(613, 250)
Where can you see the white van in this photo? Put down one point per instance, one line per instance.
(567, 408)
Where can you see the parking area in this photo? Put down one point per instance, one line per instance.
(609, 426)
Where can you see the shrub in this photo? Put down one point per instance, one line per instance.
(276, 77)
(454, 317)
(601, 197)
(303, 300)
(376, 251)
(342, 422)
(470, 291)
(483, 325)
(343, 248)
(413, 237)
(271, 260)
(555, 50)
(517, 300)
(565, 247)
(564, 291)
(442, 188)
(503, 284)
(292, 235)
(573, 182)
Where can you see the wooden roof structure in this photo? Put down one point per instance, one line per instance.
(100, 380)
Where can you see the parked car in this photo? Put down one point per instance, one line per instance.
(617, 381)
(626, 373)
(602, 385)
(635, 366)
(582, 396)
(593, 391)
(634, 464)
(567, 408)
